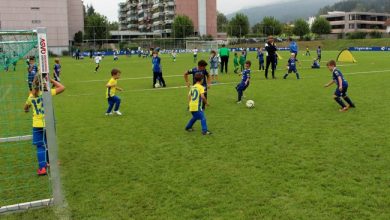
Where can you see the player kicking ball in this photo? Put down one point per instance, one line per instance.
(342, 87)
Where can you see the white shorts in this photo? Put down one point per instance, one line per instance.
(214, 72)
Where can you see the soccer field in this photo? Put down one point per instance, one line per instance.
(293, 156)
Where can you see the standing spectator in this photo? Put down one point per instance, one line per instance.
(224, 54)
(157, 70)
(260, 57)
(271, 56)
(293, 47)
(90, 54)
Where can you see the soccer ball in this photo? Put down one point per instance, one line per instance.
(250, 104)
(157, 85)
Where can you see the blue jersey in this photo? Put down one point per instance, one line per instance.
(246, 74)
(336, 75)
(156, 61)
(194, 71)
(57, 68)
(293, 47)
(292, 63)
(260, 56)
(32, 71)
(214, 62)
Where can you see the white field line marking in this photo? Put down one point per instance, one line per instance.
(218, 84)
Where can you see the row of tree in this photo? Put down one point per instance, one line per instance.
(239, 26)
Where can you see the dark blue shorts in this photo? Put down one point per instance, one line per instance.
(242, 86)
(39, 136)
(342, 93)
(290, 70)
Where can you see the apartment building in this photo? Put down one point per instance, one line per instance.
(62, 18)
(347, 22)
(157, 16)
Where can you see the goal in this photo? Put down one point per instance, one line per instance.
(205, 46)
(20, 186)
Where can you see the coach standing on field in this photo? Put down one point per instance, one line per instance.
(224, 54)
(271, 49)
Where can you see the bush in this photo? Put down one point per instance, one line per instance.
(65, 53)
(357, 35)
(375, 34)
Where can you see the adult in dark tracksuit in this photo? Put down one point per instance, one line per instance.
(271, 54)
(224, 54)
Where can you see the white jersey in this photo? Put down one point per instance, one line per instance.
(195, 51)
(98, 59)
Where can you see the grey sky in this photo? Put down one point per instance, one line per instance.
(109, 8)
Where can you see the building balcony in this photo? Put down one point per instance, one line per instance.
(141, 19)
(140, 11)
(169, 21)
(158, 14)
(132, 26)
(157, 5)
(168, 31)
(157, 23)
(169, 3)
(169, 13)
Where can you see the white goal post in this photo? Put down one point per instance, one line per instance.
(205, 46)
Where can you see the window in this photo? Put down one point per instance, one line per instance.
(36, 21)
(35, 8)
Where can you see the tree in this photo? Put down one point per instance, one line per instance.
(287, 30)
(271, 26)
(257, 28)
(301, 28)
(113, 26)
(78, 37)
(96, 27)
(183, 26)
(222, 22)
(90, 10)
(239, 25)
(321, 26)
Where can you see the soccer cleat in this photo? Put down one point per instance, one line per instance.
(351, 106)
(108, 114)
(206, 133)
(238, 102)
(343, 109)
(189, 129)
(42, 171)
(117, 113)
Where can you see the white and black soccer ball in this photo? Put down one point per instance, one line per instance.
(250, 104)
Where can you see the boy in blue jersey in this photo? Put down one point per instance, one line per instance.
(260, 57)
(246, 76)
(196, 98)
(292, 66)
(35, 102)
(206, 77)
(316, 64)
(57, 70)
(319, 53)
(293, 47)
(157, 70)
(112, 99)
(214, 60)
(32, 71)
(342, 87)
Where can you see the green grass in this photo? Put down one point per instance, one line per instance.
(294, 156)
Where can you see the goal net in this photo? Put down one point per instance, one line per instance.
(205, 46)
(21, 187)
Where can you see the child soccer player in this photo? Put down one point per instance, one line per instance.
(174, 54)
(260, 57)
(236, 63)
(98, 58)
(195, 51)
(342, 87)
(197, 98)
(307, 52)
(319, 53)
(316, 64)
(206, 77)
(242, 60)
(57, 70)
(157, 71)
(110, 94)
(32, 71)
(115, 55)
(292, 66)
(35, 102)
(214, 59)
(246, 76)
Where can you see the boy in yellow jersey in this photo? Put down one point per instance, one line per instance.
(35, 101)
(110, 93)
(195, 98)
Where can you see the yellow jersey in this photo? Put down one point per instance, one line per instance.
(38, 110)
(111, 90)
(196, 99)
